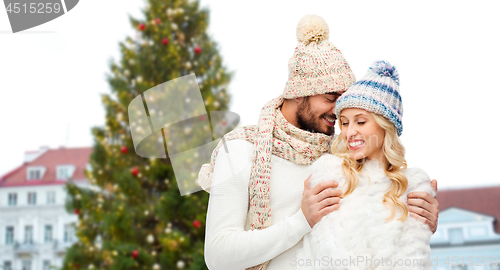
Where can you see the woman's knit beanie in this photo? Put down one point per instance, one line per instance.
(376, 92)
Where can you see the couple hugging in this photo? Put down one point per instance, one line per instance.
(287, 194)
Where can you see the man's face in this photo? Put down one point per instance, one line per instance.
(317, 113)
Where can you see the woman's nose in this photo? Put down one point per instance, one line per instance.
(352, 131)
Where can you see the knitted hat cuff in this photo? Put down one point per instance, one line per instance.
(306, 86)
(370, 104)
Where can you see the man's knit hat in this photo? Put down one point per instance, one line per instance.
(317, 66)
(377, 92)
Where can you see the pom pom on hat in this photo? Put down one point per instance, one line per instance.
(384, 68)
(312, 28)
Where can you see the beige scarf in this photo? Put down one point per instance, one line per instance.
(274, 135)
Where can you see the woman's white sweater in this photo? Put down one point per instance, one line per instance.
(357, 236)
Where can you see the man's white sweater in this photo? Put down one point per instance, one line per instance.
(229, 244)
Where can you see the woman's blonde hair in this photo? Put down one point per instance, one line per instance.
(394, 153)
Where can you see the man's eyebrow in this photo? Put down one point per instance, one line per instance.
(335, 94)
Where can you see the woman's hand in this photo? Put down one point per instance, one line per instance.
(320, 200)
(424, 207)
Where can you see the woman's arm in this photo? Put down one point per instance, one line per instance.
(414, 244)
(227, 244)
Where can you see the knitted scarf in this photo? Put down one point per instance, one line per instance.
(273, 135)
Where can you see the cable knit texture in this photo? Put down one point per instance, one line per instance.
(359, 228)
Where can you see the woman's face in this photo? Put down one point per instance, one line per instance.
(363, 135)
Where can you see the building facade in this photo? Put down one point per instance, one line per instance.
(35, 228)
(468, 235)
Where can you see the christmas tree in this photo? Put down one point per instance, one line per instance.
(133, 215)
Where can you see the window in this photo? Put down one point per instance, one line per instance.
(26, 265)
(7, 265)
(9, 235)
(456, 236)
(32, 198)
(46, 265)
(28, 234)
(48, 234)
(65, 172)
(51, 197)
(35, 173)
(12, 199)
(69, 233)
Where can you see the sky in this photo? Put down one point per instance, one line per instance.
(447, 54)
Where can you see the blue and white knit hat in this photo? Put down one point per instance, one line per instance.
(377, 92)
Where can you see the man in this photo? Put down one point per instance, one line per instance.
(244, 229)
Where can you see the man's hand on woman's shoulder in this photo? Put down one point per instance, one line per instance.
(320, 200)
(424, 207)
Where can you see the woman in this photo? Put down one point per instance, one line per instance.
(372, 228)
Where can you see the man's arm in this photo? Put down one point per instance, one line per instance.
(424, 207)
(227, 244)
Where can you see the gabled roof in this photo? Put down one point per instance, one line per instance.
(454, 214)
(484, 200)
(50, 159)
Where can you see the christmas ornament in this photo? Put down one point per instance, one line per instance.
(142, 26)
(134, 171)
(174, 26)
(150, 239)
(196, 223)
(77, 211)
(91, 266)
(197, 50)
(135, 253)
(188, 65)
(164, 41)
(169, 12)
(124, 150)
(156, 266)
(78, 196)
(181, 264)
(168, 230)
(157, 21)
(139, 79)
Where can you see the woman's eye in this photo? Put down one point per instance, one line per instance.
(345, 124)
(360, 123)
(330, 100)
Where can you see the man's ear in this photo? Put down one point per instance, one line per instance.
(299, 100)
